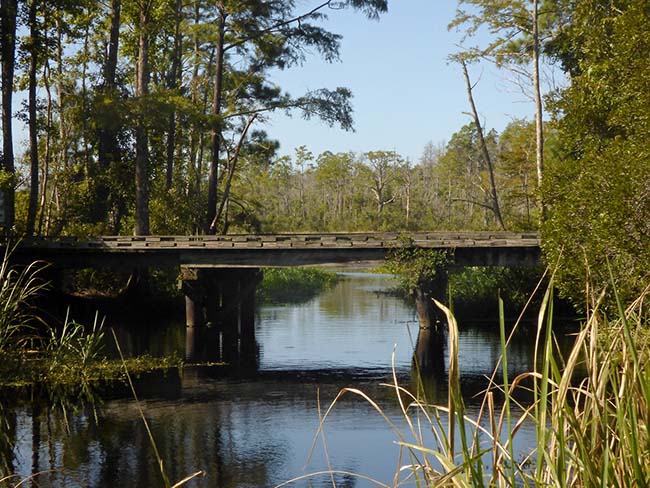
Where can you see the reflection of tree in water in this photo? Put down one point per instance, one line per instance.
(116, 450)
(7, 439)
(355, 298)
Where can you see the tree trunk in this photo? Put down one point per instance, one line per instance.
(47, 156)
(539, 122)
(194, 174)
(108, 147)
(90, 170)
(59, 88)
(141, 135)
(8, 9)
(484, 148)
(215, 136)
(231, 172)
(172, 83)
(33, 129)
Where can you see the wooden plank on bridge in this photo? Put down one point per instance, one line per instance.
(478, 248)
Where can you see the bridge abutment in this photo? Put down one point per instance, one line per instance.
(220, 314)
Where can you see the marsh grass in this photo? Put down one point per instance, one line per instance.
(19, 286)
(590, 411)
(294, 284)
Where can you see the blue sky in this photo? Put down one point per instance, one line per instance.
(405, 92)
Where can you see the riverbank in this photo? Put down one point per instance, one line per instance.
(23, 369)
(291, 285)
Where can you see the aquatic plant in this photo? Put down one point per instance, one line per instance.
(73, 344)
(590, 409)
(294, 284)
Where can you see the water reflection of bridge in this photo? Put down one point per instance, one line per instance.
(220, 273)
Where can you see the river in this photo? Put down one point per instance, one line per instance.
(257, 429)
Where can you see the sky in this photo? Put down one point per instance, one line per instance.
(405, 91)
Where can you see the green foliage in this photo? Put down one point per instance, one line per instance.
(417, 267)
(92, 110)
(73, 344)
(481, 287)
(66, 377)
(19, 286)
(7, 180)
(94, 282)
(597, 183)
(294, 284)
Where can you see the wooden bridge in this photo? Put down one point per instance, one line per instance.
(254, 251)
(219, 274)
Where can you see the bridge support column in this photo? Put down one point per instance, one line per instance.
(220, 314)
(428, 364)
(193, 287)
(429, 315)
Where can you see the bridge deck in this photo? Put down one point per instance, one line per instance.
(470, 248)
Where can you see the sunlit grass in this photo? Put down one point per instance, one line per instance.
(19, 286)
(294, 284)
(590, 409)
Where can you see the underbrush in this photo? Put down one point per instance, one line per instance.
(480, 287)
(56, 355)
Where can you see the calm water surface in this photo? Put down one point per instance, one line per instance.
(257, 429)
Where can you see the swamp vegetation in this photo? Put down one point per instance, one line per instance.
(186, 166)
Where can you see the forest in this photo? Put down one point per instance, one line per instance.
(147, 117)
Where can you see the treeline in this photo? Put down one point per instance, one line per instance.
(448, 188)
(140, 111)
(144, 117)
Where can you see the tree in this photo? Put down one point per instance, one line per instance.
(483, 145)
(383, 173)
(333, 175)
(464, 180)
(516, 169)
(261, 35)
(520, 29)
(33, 48)
(108, 149)
(8, 9)
(141, 135)
(598, 183)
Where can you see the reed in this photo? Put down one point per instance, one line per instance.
(18, 288)
(591, 410)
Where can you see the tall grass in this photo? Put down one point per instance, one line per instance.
(591, 411)
(18, 288)
(294, 284)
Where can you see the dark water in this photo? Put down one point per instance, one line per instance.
(257, 429)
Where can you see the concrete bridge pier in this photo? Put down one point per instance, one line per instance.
(220, 314)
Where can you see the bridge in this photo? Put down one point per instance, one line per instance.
(220, 274)
(255, 251)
